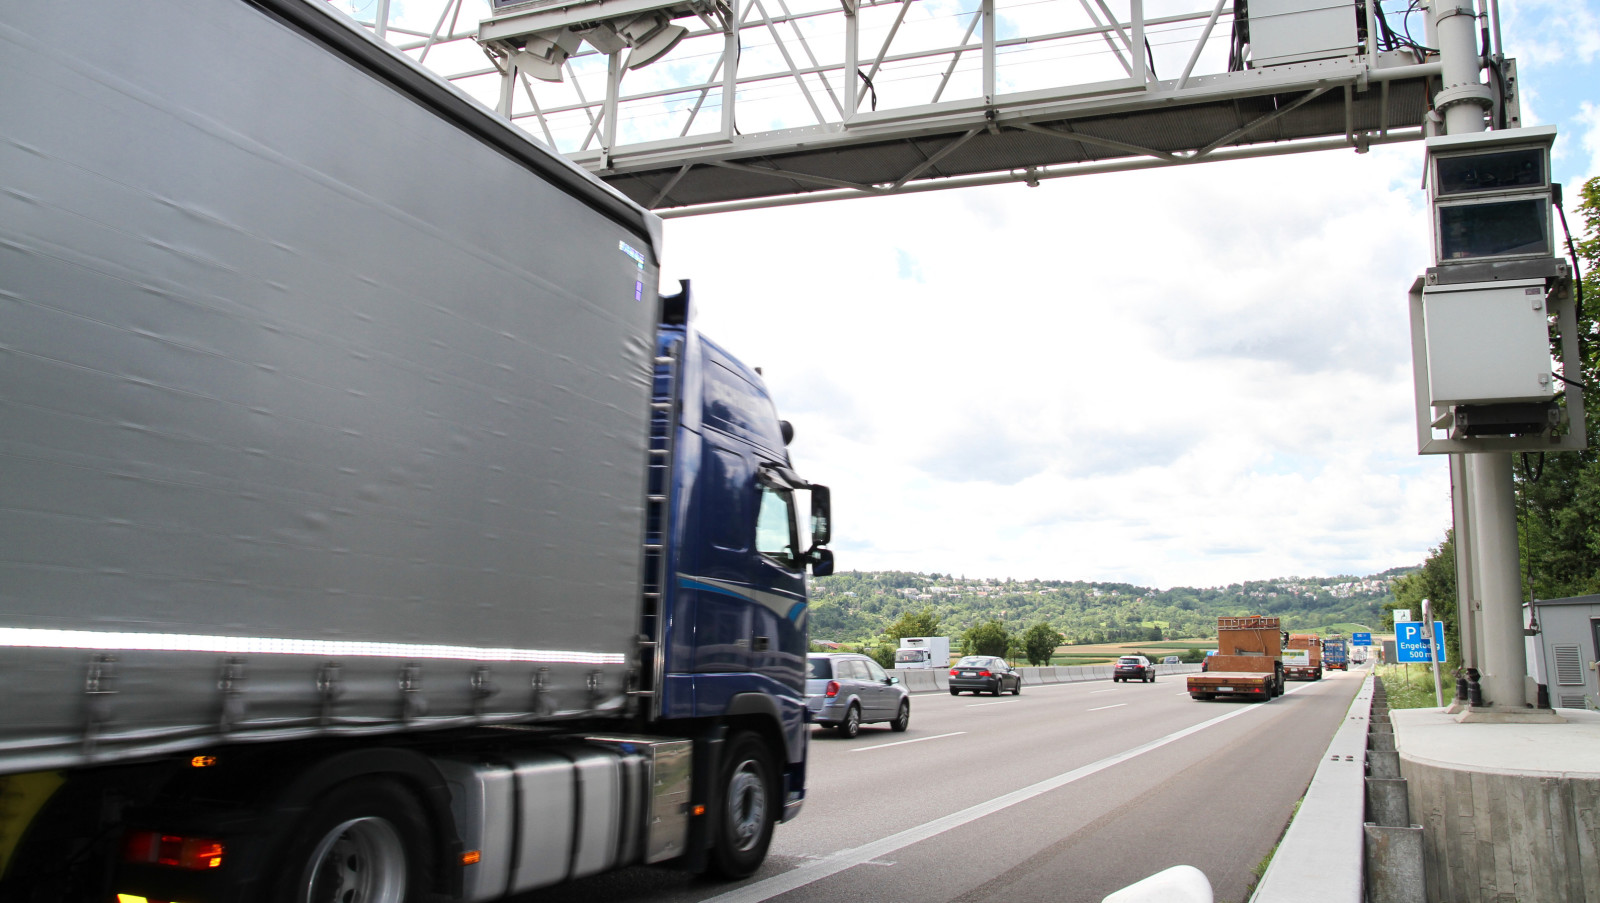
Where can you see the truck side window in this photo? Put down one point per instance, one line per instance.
(775, 530)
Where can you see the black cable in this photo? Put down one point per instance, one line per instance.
(1240, 36)
(870, 89)
(1577, 274)
(1151, 57)
(1527, 469)
(1571, 382)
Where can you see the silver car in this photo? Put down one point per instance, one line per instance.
(844, 690)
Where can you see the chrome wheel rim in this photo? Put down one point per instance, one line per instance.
(747, 806)
(360, 861)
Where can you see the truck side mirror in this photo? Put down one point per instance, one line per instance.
(821, 562)
(821, 515)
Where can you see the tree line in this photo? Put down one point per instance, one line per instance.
(879, 607)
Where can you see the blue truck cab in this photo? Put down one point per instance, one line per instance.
(735, 556)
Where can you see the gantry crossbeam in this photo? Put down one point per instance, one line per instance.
(951, 93)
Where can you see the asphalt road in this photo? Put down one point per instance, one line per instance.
(1061, 795)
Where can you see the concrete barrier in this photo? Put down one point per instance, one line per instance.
(1030, 677)
(918, 681)
(1323, 846)
(1049, 675)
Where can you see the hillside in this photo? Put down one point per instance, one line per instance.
(858, 605)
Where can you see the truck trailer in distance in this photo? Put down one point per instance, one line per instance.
(922, 652)
(1302, 657)
(1248, 662)
(1336, 654)
(370, 528)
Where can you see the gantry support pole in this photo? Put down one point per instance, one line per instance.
(1491, 528)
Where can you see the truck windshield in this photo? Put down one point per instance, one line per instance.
(911, 655)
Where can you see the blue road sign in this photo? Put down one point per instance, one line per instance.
(1361, 639)
(1411, 643)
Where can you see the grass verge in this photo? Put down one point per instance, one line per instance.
(1411, 686)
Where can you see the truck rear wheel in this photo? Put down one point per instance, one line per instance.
(747, 810)
(366, 841)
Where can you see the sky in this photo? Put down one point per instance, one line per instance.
(1191, 376)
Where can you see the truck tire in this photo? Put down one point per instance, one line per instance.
(365, 841)
(747, 809)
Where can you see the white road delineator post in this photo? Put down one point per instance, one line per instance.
(1179, 884)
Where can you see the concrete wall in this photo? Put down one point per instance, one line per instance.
(1494, 837)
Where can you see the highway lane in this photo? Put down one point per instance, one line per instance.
(1062, 794)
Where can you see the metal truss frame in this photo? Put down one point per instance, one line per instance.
(823, 68)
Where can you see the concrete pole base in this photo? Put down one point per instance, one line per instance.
(1492, 714)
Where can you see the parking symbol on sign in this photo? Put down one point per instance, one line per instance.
(1411, 643)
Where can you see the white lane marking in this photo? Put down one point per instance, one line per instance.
(1104, 707)
(904, 742)
(812, 872)
(973, 705)
(818, 858)
(1112, 690)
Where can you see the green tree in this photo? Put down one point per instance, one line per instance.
(988, 638)
(1559, 494)
(915, 623)
(882, 652)
(1436, 582)
(1040, 642)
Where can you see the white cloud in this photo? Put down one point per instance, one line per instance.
(1187, 376)
(1588, 119)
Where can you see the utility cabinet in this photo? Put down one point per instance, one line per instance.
(1297, 31)
(1487, 342)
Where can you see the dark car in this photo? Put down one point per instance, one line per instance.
(1134, 667)
(845, 690)
(984, 673)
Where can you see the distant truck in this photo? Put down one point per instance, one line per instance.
(1302, 657)
(1336, 654)
(922, 653)
(371, 528)
(1358, 654)
(1248, 662)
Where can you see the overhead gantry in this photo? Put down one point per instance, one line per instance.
(694, 106)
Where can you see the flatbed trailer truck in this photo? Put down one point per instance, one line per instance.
(1248, 662)
(371, 528)
(1302, 657)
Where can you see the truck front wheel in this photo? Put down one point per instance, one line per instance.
(366, 841)
(748, 808)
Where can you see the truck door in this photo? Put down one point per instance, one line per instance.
(780, 630)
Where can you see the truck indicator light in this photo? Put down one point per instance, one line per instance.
(196, 854)
(202, 761)
(472, 857)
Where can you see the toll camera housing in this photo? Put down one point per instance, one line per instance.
(1481, 317)
(1491, 196)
